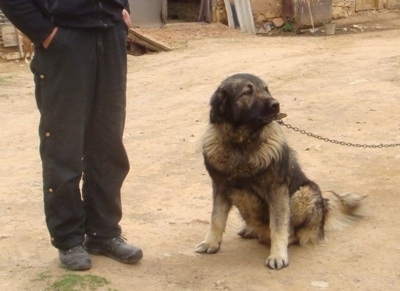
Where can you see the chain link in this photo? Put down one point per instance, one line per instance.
(357, 145)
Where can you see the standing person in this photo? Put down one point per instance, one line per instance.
(80, 68)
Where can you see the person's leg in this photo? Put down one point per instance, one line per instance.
(64, 76)
(105, 161)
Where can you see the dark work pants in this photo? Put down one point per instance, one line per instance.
(81, 95)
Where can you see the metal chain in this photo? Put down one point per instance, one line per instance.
(357, 145)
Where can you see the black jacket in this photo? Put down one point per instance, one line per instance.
(37, 18)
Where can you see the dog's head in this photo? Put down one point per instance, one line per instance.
(243, 100)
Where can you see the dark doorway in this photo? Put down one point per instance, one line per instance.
(183, 10)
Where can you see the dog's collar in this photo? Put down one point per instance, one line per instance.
(280, 116)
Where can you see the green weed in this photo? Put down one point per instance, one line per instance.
(70, 282)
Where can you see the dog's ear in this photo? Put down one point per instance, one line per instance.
(218, 104)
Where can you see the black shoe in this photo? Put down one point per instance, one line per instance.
(115, 248)
(76, 258)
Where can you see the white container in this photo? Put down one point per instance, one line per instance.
(329, 28)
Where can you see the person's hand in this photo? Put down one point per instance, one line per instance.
(126, 17)
(48, 39)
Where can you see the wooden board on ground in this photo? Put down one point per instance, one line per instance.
(138, 38)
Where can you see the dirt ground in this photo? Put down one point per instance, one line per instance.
(344, 87)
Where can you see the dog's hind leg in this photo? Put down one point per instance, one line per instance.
(307, 210)
(219, 216)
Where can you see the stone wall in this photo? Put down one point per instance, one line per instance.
(263, 11)
(219, 14)
(267, 10)
(342, 8)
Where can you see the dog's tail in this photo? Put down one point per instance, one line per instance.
(342, 209)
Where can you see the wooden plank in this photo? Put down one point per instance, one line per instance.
(213, 11)
(145, 44)
(208, 11)
(136, 36)
(229, 14)
(21, 54)
(205, 14)
(245, 16)
(164, 11)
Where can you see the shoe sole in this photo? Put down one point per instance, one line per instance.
(80, 268)
(132, 260)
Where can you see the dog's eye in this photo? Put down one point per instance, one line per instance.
(248, 91)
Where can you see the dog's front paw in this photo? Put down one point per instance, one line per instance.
(277, 262)
(207, 248)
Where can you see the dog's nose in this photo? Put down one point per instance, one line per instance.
(274, 105)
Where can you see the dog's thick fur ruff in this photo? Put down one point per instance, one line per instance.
(253, 168)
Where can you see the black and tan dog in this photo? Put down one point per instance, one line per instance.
(253, 168)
